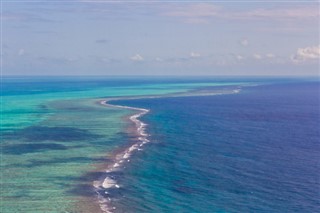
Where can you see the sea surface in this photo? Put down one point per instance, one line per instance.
(159, 145)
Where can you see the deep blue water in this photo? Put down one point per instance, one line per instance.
(256, 151)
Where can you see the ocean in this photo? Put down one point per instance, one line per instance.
(160, 145)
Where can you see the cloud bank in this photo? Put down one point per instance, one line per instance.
(307, 54)
(137, 57)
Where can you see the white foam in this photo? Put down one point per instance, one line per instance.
(236, 90)
(123, 157)
(126, 155)
(109, 183)
(96, 184)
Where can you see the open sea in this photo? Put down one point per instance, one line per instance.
(135, 145)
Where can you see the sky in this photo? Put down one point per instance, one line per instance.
(86, 37)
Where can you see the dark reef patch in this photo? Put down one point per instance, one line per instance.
(17, 149)
(34, 163)
(45, 133)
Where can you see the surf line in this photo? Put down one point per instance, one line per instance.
(109, 183)
(106, 185)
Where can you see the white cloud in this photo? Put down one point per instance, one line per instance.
(257, 56)
(194, 10)
(194, 13)
(287, 13)
(239, 57)
(196, 21)
(106, 59)
(21, 52)
(270, 55)
(244, 42)
(58, 60)
(137, 57)
(204, 12)
(159, 59)
(306, 54)
(194, 55)
(71, 59)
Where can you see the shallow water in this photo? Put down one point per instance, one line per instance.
(57, 139)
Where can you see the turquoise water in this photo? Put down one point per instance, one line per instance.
(57, 139)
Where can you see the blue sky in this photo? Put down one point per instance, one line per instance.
(84, 37)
